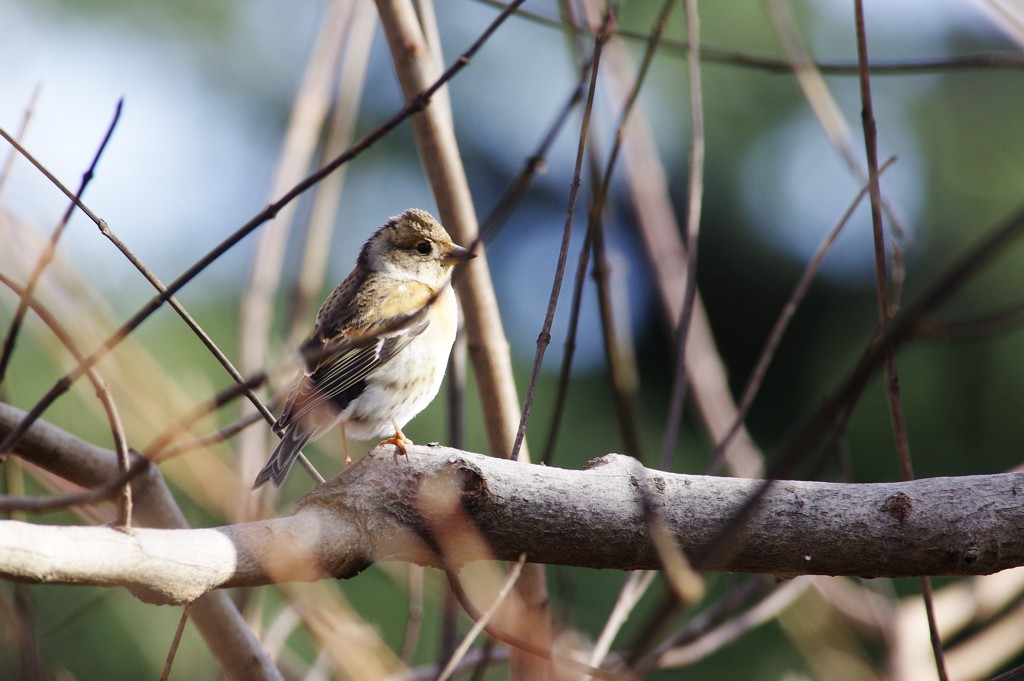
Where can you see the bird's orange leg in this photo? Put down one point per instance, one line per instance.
(399, 439)
(344, 443)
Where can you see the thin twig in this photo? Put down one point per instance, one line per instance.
(100, 387)
(414, 623)
(899, 423)
(781, 324)
(514, 192)
(835, 409)
(47, 254)
(723, 633)
(544, 338)
(449, 627)
(306, 119)
(159, 448)
(1004, 319)
(112, 341)
(620, 361)
(26, 118)
(172, 651)
(193, 325)
(632, 591)
(324, 211)
(980, 61)
(520, 644)
(619, 353)
(59, 502)
(215, 437)
(456, 434)
(562, 391)
(934, 635)
(561, 395)
(695, 199)
(878, 231)
(642, 655)
(829, 115)
(506, 588)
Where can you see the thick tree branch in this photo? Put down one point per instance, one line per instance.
(218, 620)
(414, 509)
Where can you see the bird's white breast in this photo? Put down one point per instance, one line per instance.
(403, 387)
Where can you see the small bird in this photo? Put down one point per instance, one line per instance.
(378, 351)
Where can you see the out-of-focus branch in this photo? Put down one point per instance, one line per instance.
(978, 618)
(659, 229)
(439, 153)
(218, 620)
(434, 131)
(979, 61)
(351, 80)
(256, 313)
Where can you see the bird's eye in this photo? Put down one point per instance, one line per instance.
(423, 248)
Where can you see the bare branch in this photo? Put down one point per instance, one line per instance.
(47, 254)
(380, 509)
(256, 312)
(746, 59)
(544, 338)
(26, 118)
(215, 615)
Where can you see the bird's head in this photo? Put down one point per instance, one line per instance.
(414, 246)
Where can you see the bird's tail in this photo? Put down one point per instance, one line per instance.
(295, 438)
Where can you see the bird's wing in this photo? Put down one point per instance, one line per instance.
(337, 368)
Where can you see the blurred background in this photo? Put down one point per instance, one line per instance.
(208, 88)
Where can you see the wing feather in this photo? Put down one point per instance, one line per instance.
(342, 369)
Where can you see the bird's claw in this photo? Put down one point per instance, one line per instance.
(399, 440)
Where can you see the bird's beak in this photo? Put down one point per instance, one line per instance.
(456, 255)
